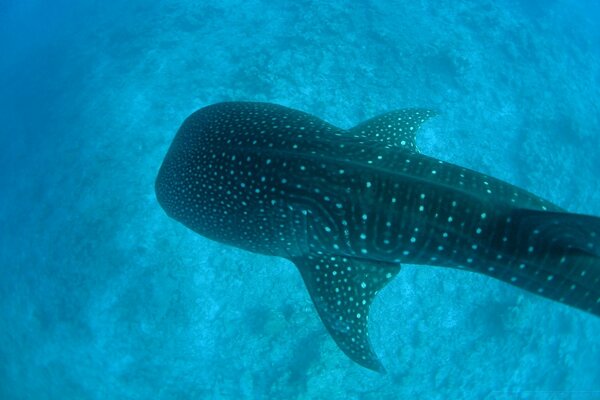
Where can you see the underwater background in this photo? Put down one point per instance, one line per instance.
(102, 296)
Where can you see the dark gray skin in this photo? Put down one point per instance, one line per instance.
(347, 207)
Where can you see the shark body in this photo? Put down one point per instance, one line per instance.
(347, 207)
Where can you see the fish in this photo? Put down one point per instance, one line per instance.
(348, 207)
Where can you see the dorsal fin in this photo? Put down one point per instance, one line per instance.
(342, 289)
(395, 128)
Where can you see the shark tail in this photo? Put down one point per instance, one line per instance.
(558, 257)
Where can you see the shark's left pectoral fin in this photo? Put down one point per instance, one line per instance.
(342, 289)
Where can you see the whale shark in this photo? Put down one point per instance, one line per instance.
(349, 206)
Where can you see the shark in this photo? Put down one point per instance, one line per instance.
(348, 207)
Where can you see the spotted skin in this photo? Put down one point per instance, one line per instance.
(349, 206)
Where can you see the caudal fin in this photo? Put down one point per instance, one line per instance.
(559, 257)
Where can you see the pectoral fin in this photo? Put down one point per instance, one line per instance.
(342, 289)
(395, 128)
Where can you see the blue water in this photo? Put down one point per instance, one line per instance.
(104, 297)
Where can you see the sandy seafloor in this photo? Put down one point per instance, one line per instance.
(104, 297)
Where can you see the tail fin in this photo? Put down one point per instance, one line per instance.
(559, 257)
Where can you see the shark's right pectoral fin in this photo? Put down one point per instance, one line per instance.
(395, 128)
(342, 289)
